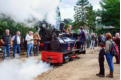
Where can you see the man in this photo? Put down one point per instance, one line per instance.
(62, 27)
(82, 37)
(30, 41)
(16, 43)
(6, 41)
(68, 30)
(99, 39)
(36, 43)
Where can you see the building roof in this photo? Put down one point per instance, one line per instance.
(108, 27)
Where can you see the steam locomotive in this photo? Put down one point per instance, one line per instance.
(58, 47)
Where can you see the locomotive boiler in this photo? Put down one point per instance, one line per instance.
(57, 45)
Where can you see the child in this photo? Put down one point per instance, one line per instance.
(101, 61)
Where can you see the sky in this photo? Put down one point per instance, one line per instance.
(67, 7)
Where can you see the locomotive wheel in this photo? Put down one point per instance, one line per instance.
(67, 59)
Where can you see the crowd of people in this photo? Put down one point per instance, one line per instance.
(110, 46)
(32, 40)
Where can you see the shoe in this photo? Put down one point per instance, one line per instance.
(116, 63)
(100, 75)
(110, 75)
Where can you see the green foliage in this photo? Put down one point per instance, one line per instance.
(111, 13)
(13, 27)
(76, 25)
(84, 15)
(80, 11)
(68, 22)
(82, 2)
(91, 17)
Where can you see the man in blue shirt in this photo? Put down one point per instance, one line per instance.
(82, 37)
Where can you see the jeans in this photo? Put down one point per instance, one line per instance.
(16, 48)
(6, 49)
(29, 49)
(92, 44)
(109, 58)
(82, 44)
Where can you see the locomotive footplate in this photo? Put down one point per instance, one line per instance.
(59, 57)
(73, 51)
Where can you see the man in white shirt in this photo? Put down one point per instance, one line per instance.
(16, 43)
(30, 41)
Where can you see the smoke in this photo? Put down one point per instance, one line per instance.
(30, 11)
(22, 70)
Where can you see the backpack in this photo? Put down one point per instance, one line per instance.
(114, 49)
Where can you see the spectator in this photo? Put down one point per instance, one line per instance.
(82, 37)
(30, 41)
(117, 41)
(6, 41)
(69, 29)
(96, 40)
(88, 40)
(92, 40)
(101, 61)
(16, 43)
(62, 27)
(109, 57)
(103, 39)
(36, 43)
(99, 39)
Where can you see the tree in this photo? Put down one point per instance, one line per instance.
(110, 13)
(68, 21)
(91, 17)
(84, 15)
(80, 11)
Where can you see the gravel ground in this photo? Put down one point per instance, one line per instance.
(84, 68)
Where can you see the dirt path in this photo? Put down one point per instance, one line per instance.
(84, 68)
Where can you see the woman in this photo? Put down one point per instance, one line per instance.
(92, 40)
(109, 57)
(36, 43)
